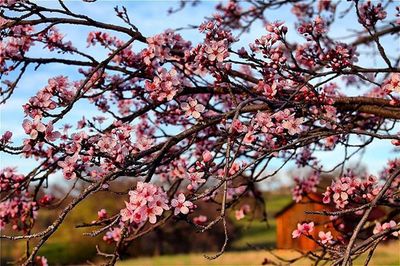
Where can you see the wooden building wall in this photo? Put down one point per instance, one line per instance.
(287, 221)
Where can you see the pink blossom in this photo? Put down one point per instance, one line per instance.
(106, 144)
(33, 128)
(181, 205)
(113, 235)
(51, 135)
(68, 166)
(303, 229)
(267, 90)
(340, 57)
(207, 156)
(195, 179)
(325, 238)
(216, 51)
(152, 212)
(393, 83)
(18, 210)
(144, 143)
(350, 188)
(164, 86)
(102, 214)
(370, 13)
(238, 127)
(239, 214)
(234, 169)
(201, 219)
(263, 121)
(41, 261)
(331, 141)
(293, 125)
(249, 137)
(192, 108)
(9, 178)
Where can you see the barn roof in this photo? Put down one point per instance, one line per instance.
(376, 213)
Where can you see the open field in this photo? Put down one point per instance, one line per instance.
(385, 255)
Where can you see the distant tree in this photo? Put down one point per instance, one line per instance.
(189, 120)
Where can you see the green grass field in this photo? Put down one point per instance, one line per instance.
(261, 234)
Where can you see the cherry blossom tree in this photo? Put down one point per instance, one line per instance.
(203, 122)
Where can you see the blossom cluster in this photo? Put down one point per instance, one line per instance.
(268, 90)
(10, 179)
(370, 14)
(19, 211)
(58, 92)
(195, 178)
(214, 50)
(351, 189)
(279, 122)
(13, 47)
(232, 13)
(149, 201)
(305, 186)
(146, 202)
(339, 57)
(68, 166)
(325, 238)
(54, 40)
(163, 47)
(165, 85)
(313, 30)
(103, 38)
(271, 46)
(35, 127)
(112, 149)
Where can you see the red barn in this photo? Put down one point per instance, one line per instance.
(294, 213)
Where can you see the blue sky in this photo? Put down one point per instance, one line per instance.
(151, 18)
